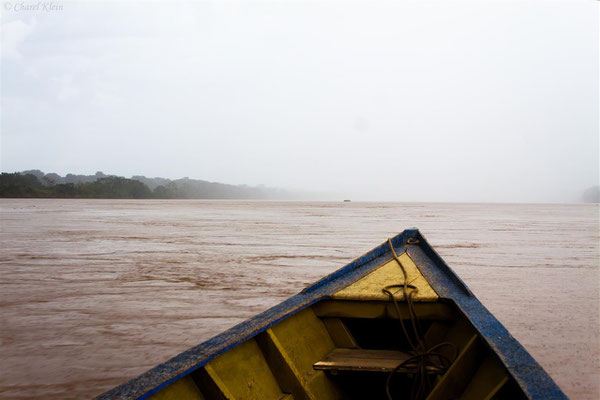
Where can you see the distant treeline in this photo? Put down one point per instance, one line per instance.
(35, 183)
(592, 195)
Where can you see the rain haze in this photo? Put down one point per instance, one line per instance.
(478, 122)
(398, 101)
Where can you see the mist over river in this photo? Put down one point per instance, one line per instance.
(95, 292)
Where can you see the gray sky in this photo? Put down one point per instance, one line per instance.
(404, 101)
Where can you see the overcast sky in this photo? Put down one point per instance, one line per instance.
(402, 101)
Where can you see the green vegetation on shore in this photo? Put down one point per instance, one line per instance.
(36, 184)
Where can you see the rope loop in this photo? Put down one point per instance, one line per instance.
(423, 359)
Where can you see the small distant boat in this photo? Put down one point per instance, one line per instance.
(396, 323)
(346, 201)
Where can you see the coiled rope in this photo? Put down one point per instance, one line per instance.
(422, 358)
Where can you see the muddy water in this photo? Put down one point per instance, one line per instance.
(94, 292)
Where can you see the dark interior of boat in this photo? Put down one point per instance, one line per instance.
(340, 349)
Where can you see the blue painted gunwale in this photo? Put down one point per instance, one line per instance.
(530, 376)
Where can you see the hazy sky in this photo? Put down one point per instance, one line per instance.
(404, 101)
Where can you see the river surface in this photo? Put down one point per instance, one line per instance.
(94, 292)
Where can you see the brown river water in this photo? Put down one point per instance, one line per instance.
(94, 292)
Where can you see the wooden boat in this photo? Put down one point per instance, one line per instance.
(396, 323)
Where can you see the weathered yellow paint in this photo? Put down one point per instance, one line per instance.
(300, 341)
(183, 389)
(243, 373)
(216, 388)
(370, 287)
(487, 381)
(458, 376)
(381, 309)
(289, 377)
(304, 338)
(339, 333)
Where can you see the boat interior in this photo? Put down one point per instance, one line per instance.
(349, 349)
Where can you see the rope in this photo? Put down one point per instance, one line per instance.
(422, 358)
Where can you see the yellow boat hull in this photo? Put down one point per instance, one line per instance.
(385, 326)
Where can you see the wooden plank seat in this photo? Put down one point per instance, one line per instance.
(367, 361)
